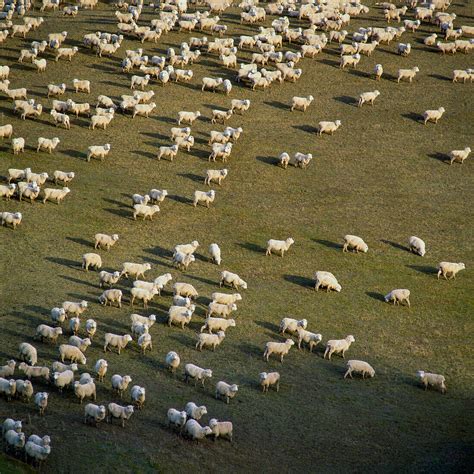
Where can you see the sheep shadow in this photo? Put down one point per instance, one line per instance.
(73, 153)
(78, 240)
(203, 280)
(184, 339)
(345, 99)
(250, 349)
(160, 252)
(395, 245)
(277, 104)
(120, 213)
(145, 154)
(413, 116)
(358, 73)
(77, 280)
(423, 269)
(157, 136)
(440, 157)
(193, 177)
(440, 77)
(64, 262)
(181, 199)
(329, 62)
(376, 296)
(36, 309)
(305, 128)
(300, 281)
(118, 203)
(269, 160)
(166, 119)
(266, 325)
(328, 243)
(252, 247)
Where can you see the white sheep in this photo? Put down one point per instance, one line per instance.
(233, 280)
(61, 119)
(114, 340)
(145, 211)
(15, 441)
(91, 260)
(7, 190)
(8, 370)
(240, 105)
(135, 270)
(18, 145)
(74, 325)
(91, 328)
(326, 280)
(446, 47)
(223, 310)
(11, 219)
(6, 131)
(182, 261)
(121, 412)
(350, 60)
(220, 151)
(195, 412)
(94, 413)
(301, 103)
(417, 245)
(85, 390)
(449, 269)
(157, 195)
(459, 155)
(338, 346)
(433, 115)
(27, 353)
(185, 289)
(398, 296)
(217, 324)
(11, 424)
(197, 373)
(210, 83)
(37, 452)
(226, 391)
(168, 152)
(47, 144)
(404, 49)
(359, 366)
(212, 340)
(41, 401)
(407, 74)
(206, 197)
(142, 294)
(221, 116)
(378, 71)
(73, 353)
(55, 194)
(268, 379)
(60, 367)
(308, 337)
(435, 380)
(44, 331)
(278, 348)
(8, 387)
(328, 127)
(100, 368)
(176, 418)
(188, 117)
(120, 384)
(105, 240)
(109, 279)
(81, 85)
(137, 395)
(111, 296)
(461, 74)
(98, 151)
(367, 97)
(179, 316)
(101, 121)
(215, 252)
(280, 246)
(143, 109)
(24, 390)
(353, 242)
(195, 431)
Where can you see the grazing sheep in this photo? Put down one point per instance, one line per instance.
(221, 428)
(135, 270)
(100, 369)
(226, 391)
(27, 353)
(459, 155)
(74, 325)
(326, 280)
(172, 361)
(212, 340)
(359, 366)
(182, 261)
(308, 337)
(328, 127)
(240, 105)
(367, 97)
(195, 431)
(61, 119)
(120, 384)
(7, 191)
(217, 324)
(11, 219)
(18, 145)
(221, 116)
(101, 121)
(449, 270)
(24, 390)
(197, 373)
(63, 379)
(291, 325)
(435, 380)
(15, 441)
(352, 242)
(268, 379)
(215, 252)
(185, 289)
(179, 316)
(143, 109)
(137, 395)
(114, 340)
(86, 390)
(8, 387)
(281, 246)
(404, 49)
(91, 328)
(378, 71)
(430, 40)
(121, 412)
(111, 296)
(168, 152)
(8, 370)
(220, 151)
(91, 260)
(417, 245)
(94, 413)
(47, 332)
(176, 418)
(224, 298)
(73, 353)
(407, 74)
(142, 294)
(109, 279)
(278, 348)
(398, 296)
(338, 346)
(81, 85)
(188, 117)
(232, 279)
(41, 401)
(223, 310)
(6, 131)
(195, 412)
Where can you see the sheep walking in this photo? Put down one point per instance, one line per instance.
(359, 366)
(435, 380)
(338, 346)
(278, 348)
(449, 270)
(281, 246)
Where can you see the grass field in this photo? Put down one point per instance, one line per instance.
(382, 176)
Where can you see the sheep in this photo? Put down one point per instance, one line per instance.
(338, 346)
(81, 85)
(143, 109)
(8, 387)
(350, 60)
(141, 294)
(157, 195)
(101, 121)
(353, 242)
(105, 240)
(212, 340)
(407, 74)
(14, 440)
(61, 107)
(195, 412)
(7, 191)
(180, 132)
(38, 178)
(28, 55)
(359, 366)
(268, 379)
(73, 308)
(459, 155)
(41, 401)
(74, 325)
(8, 370)
(120, 384)
(219, 309)
(70, 10)
(281, 246)
(138, 396)
(449, 270)
(47, 144)
(94, 413)
(233, 280)
(179, 316)
(224, 298)
(226, 391)
(183, 261)
(176, 418)
(240, 105)
(326, 280)
(67, 53)
(135, 270)
(17, 175)
(11, 424)
(309, 50)
(138, 329)
(58, 315)
(145, 211)
(29, 110)
(61, 119)
(463, 74)
(91, 328)
(291, 325)
(172, 361)
(221, 116)
(106, 102)
(4, 72)
(55, 194)
(211, 84)
(16, 94)
(121, 412)
(111, 296)
(83, 390)
(78, 108)
(28, 190)
(47, 332)
(308, 337)
(433, 115)
(18, 145)
(446, 47)
(367, 97)
(417, 245)
(378, 71)
(195, 431)
(435, 380)
(430, 40)
(82, 344)
(91, 260)
(220, 151)
(28, 353)
(24, 390)
(398, 296)
(72, 353)
(412, 25)
(188, 117)
(185, 289)
(217, 324)
(215, 176)
(301, 103)
(204, 197)
(168, 152)
(464, 46)
(328, 127)
(214, 249)
(11, 219)
(60, 367)
(114, 340)
(278, 348)
(40, 64)
(6, 131)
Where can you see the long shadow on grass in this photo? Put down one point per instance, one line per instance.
(64, 262)
(121, 213)
(305, 128)
(271, 327)
(252, 247)
(328, 243)
(277, 105)
(202, 280)
(77, 280)
(145, 154)
(184, 339)
(413, 116)
(440, 77)
(250, 349)
(375, 296)
(358, 73)
(300, 280)
(423, 269)
(193, 177)
(157, 136)
(269, 160)
(160, 252)
(74, 154)
(329, 62)
(78, 240)
(118, 203)
(439, 156)
(395, 245)
(345, 99)
(181, 199)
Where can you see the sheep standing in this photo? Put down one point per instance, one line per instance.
(114, 340)
(281, 246)
(120, 384)
(41, 401)
(459, 155)
(338, 346)
(433, 115)
(268, 379)
(233, 280)
(91, 260)
(308, 337)
(172, 361)
(204, 197)
(226, 391)
(212, 340)
(449, 270)
(301, 103)
(28, 353)
(111, 296)
(359, 366)
(278, 348)
(94, 413)
(326, 280)
(197, 373)
(352, 242)
(367, 97)
(221, 428)
(398, 296)
(435, 380)
(328, 127)
(176, 418)
(120, 412)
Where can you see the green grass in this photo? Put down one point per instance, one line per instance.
(381, 176)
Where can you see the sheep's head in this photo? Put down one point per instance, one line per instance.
(350, 338)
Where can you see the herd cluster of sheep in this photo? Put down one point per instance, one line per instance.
(162, 70)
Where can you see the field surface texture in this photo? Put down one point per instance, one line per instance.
(383, 176)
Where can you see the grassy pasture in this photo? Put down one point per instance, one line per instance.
(383, 176)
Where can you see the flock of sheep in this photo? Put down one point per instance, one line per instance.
(328, 18)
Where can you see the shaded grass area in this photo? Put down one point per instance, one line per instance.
(382, 176)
